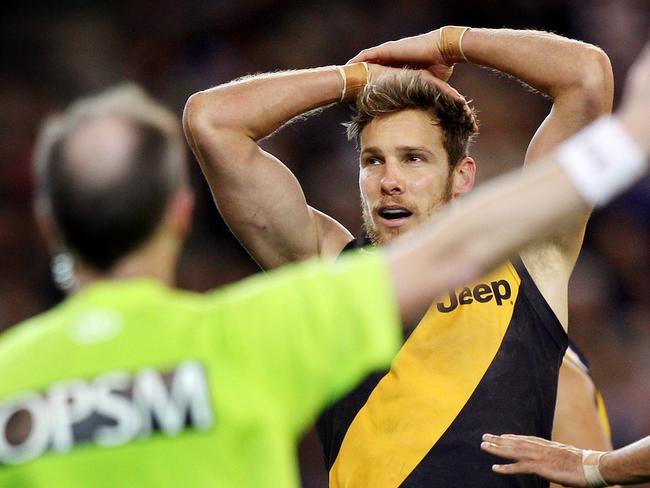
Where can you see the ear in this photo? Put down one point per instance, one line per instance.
(464, 175)
(48, 228)
(179, 212)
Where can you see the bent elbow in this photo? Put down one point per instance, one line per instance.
(193, 116)
(597, 82)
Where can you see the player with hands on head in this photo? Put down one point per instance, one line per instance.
(414, 138)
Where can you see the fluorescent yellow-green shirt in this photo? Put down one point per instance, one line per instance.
(133, 384)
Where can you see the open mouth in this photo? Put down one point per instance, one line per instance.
(394, 213)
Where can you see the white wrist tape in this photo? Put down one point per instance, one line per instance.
(602, 160)
(590, 462)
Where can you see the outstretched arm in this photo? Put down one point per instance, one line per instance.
(258, 196)
(563, 464)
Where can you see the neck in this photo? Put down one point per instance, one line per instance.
(155, 260)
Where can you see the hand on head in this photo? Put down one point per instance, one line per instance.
(420, 53)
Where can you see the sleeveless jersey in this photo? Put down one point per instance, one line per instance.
(484, 358)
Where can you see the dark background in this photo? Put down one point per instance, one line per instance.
(53, 52)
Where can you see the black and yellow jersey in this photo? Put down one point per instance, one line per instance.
(484, 358)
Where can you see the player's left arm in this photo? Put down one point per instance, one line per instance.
(578, 78)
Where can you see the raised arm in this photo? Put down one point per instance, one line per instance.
(258, 196)
(575, 75)
(578, 78)
(466, 240)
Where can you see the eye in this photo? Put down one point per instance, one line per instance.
(414, 158)
(371, 161)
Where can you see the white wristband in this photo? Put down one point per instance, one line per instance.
(590, 462)
(602, 160)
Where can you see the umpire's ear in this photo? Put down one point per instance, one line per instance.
(463, 177)
(180, 209)
(48, 228)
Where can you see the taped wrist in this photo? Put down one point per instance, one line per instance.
(602, 160)
(590, 462)
(355, 76)
(450, 44)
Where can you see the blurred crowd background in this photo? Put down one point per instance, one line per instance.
(53, 52)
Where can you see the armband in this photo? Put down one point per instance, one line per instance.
(355, 76)
(450, 44)
(602, 160)
(590, 462)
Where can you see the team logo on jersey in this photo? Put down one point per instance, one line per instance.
(112, 409)
(482, 293)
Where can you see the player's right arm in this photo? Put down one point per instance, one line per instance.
(258, 196)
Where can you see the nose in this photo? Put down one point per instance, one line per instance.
(392, 181)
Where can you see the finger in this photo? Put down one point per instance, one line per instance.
(444, 87)
(514, 468)
(521, 447)
(508, 452)
(368, 55)
(507, 439)
(527, 438)
(380, 54)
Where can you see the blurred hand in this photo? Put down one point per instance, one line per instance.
(417, 52)
(532, 455)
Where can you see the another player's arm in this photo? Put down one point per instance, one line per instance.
(562, 463)
(258, 196)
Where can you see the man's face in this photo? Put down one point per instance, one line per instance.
(404, 173)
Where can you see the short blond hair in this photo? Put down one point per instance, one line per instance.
(408, 90)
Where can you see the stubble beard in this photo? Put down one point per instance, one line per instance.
(378, 239)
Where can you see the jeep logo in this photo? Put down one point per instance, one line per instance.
(482, 293)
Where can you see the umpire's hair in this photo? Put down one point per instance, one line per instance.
(408, 90)
(101, 223)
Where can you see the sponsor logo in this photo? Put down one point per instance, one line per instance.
(112, 409)
(95, 326)
(482, 293)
